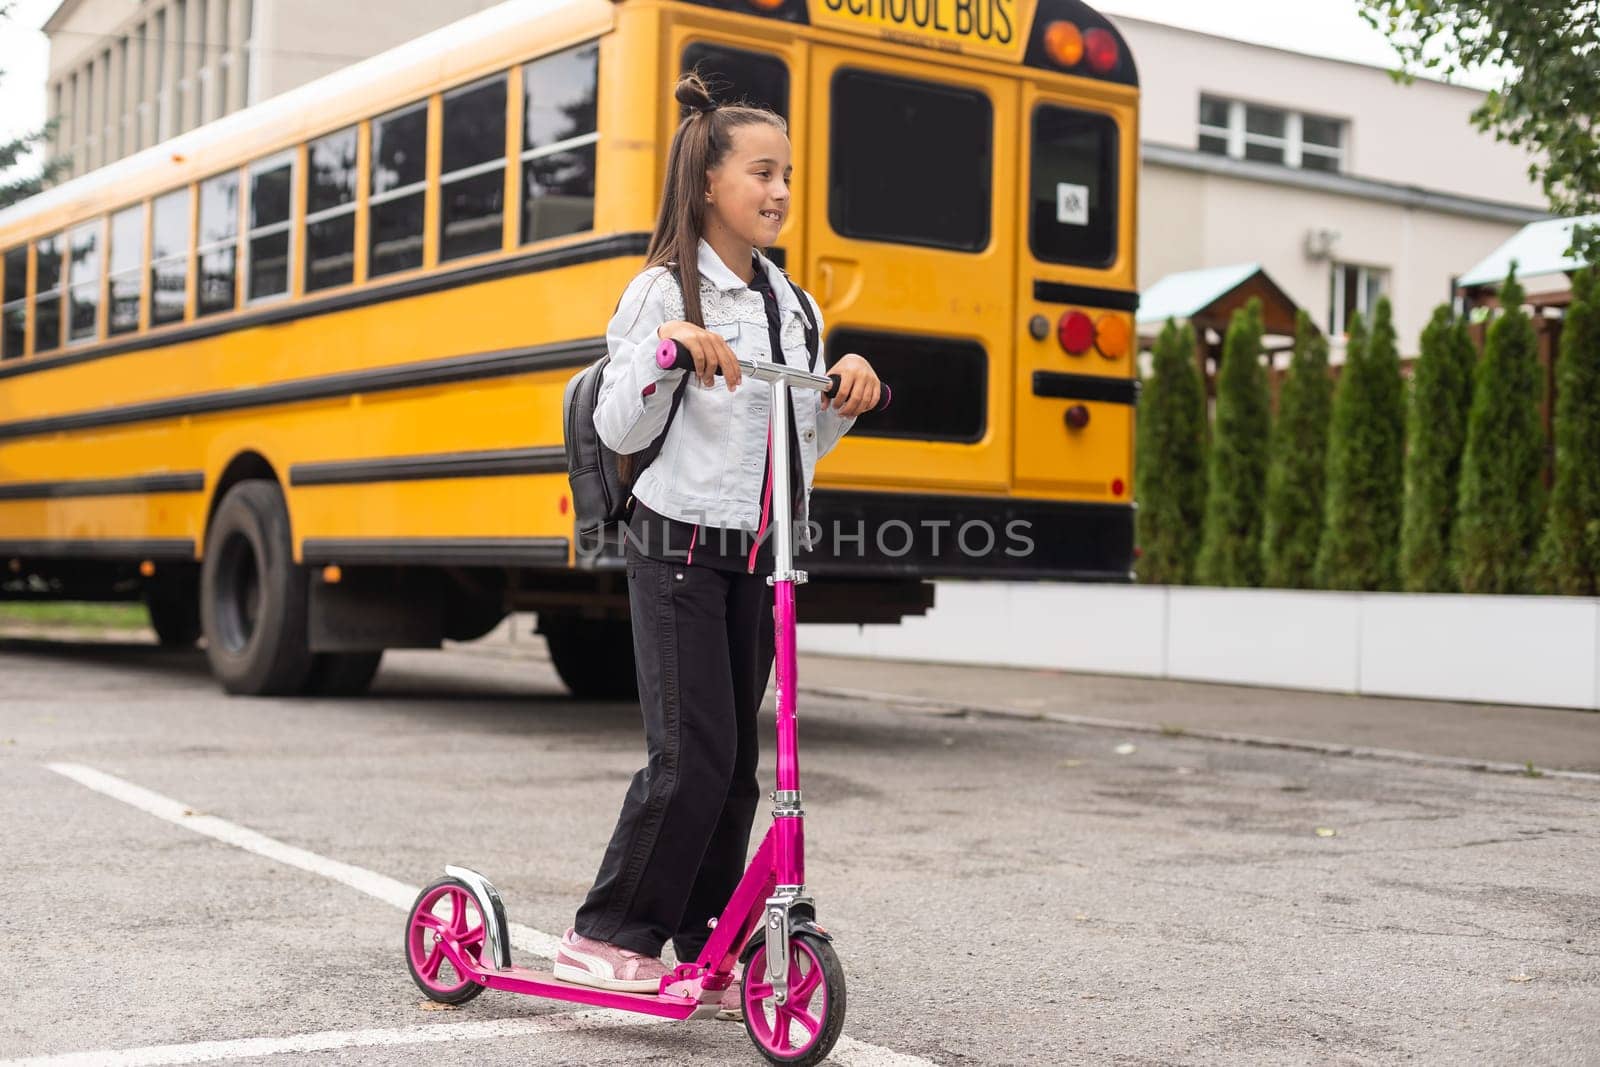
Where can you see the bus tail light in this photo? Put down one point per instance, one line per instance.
(1075, 332)
(1102, 49)
(1111, 336)
(1077, 417)
(1063, 41)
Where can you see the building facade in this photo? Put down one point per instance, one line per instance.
(1343, 184)
(128, 74)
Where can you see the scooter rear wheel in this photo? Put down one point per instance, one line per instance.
(803, 1030)
(445, 910)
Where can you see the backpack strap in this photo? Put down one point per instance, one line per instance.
(635, 464)
(812, 340)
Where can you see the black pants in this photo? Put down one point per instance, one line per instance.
(703, 644)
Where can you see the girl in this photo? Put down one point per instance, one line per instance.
(697, 550)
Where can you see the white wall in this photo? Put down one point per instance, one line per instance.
(1416, 134)
(1505, 650)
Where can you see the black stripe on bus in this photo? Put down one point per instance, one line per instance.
(185, 482)
(439, 551)
(475, 367)
(1087, 295)
(1085, 387)
(549, 459)
(168, 548)
(614, 247)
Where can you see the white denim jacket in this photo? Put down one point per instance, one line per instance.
(713, 460)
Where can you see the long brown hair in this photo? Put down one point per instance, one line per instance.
(702, 142)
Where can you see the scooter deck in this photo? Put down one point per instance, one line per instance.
(544, 984)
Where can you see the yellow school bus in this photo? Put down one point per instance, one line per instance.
(294, 378)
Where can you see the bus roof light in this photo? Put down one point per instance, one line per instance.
(1102, 49)
(767, 5)
(1063, 41)
(1075, 332)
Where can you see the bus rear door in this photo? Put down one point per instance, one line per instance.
(910, 250)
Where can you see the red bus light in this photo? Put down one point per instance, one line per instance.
(1075, 331)
(1102, 50)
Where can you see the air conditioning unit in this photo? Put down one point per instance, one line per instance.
(1319, 244)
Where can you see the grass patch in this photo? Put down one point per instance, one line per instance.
(123, 616)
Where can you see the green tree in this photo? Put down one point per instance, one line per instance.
(1502, 491)
(1549, 101)
(1436, 432)
(1361, 533)
(1297, 471)
(1569, 552)
(1236, 488)
(17, 183)
(1170, 475)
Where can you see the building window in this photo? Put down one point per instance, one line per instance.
(127, 250)
(169, 259)
(472, 182)
(84, 277)
(886, 128)
(1270, 135)
(399, 185)
(219, 241)
(1351, 289)
(560, 127)
(14, 306)
(331, 211)
(271, 189)
(47, 294)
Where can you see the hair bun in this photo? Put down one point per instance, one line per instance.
(692, 93)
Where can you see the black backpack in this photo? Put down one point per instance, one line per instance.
(602, 486)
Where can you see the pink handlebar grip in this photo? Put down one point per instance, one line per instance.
(667, 354)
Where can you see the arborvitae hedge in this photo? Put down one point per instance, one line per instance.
(1230, 549)
(1502, 494)
(1361, 534)
(1298, 465)
(1436, 432)
(1169, 474)
(1569, 552)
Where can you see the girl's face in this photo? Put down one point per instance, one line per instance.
(750, 189)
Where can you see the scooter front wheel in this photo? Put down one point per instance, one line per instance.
(804, 1028)
(444, 911)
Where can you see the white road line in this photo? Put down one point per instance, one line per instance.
(328, 1040)
(371, 883)
(848, 1051)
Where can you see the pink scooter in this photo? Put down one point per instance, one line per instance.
(794, 996)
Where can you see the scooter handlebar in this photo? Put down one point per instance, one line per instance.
(670, 355)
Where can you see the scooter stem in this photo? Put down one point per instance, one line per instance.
(789, 828)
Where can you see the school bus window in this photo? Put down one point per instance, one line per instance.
(473, 179)
(271, 183)
(47, 294)
(169, 258)
(909, 162)
(399, 177)
(559, 131)
(736, 76)
(14, 304)
(84, 277)
(944, 383)
(219, 238)
(127, 250)
(331, 210)
(1073, 197)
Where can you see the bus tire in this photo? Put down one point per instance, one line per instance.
(174, 610)
(342, 674)
(253, 595)
(594, 657)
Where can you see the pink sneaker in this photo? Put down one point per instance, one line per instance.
(731, 1007)
(585, 961)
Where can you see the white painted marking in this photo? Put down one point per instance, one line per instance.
(360, 879)
(329, 1040)
(848, 1051)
